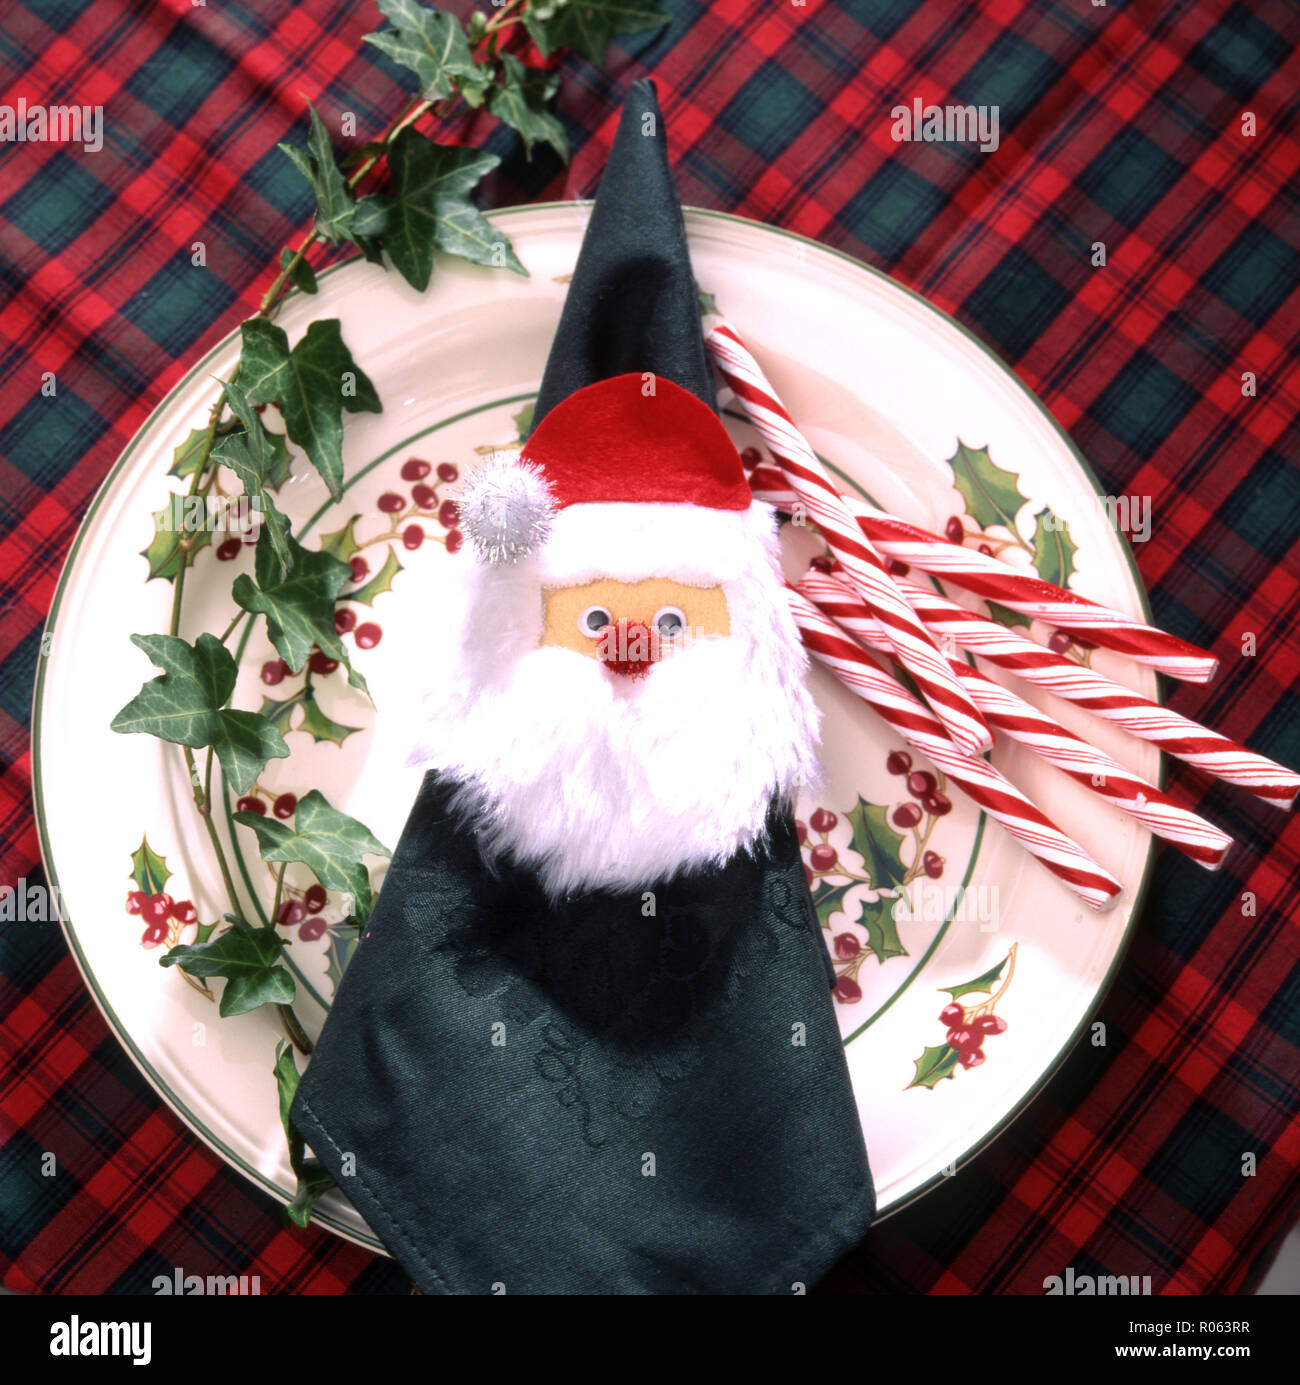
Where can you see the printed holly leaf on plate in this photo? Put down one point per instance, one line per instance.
(992, 495)
(381, 582)
(186, 706)
(882, 928)
(247, 958)
(328, 842)
(878, 844)
(148, 869)
(430, 209)
(321, 727)
(312, 384)
(521, 100)
(249, 454)
(933, 1066)
(312, 1178)
(431, 44)
(982, 985)
(164, 552)
(298, 603)
(341, 944)
(333, 197)
(588, 25)
(1006, 616)
(829, 899)
(342, 543)
(523, 420)
(188, 456)
(1054, 550)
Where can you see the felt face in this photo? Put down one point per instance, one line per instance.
(631, 625)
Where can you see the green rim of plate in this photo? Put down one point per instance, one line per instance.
(47, 855)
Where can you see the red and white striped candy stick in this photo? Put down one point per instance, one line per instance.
(863, 566)
(1176, 735)
(1024, 722)
(923, 731)
(1021, 591)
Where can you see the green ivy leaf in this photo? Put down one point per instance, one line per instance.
(431, 210)
(189, 456)
(381, 582)
(520, 100)
(431, 44)
(992, 495)
(312, 385)
(247, 957)
(164, 552)
(312, 1178)
(588, 26)
(328, 842)
(333, 197)
(185, 706)
(934, 1065)
(148, 869)
(298, 602)
(301, 275)
(1054, 550)
(250, 456)
(981, 985)
(878, 844)
(882, 928)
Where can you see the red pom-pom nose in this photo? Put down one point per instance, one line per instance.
(629, 647)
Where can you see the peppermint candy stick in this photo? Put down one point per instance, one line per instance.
(923, 731)
(1176, 735)
(1024, 722)
(994, 580)
(863, 566)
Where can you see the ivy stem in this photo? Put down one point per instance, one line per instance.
(293, 1028)
(279, 893)
(203, 803)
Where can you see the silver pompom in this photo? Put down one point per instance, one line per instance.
(505, 509)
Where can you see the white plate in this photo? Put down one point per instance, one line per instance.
(884, 387)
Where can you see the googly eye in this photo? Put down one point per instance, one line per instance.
(593, 620)
(670, 622)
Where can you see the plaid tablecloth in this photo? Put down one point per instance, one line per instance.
(1120, 123)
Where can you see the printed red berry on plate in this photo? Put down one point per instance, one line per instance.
(448, 514)
(250, 804)
(823, 820)
(932, 864)
(454, 540)
(415, 470)
(937, 804)
(906, 815)
(970, 1058)
(898, 569)
(991, 1024)
(962, 1038)
(986, 550)
(823, 562)
(284, 805)
(321, 663)
(368, 635)
(808, 874)
(314, 899)
(228, 550)
(311, 930)
(920, 782)
(135, 901)
(412, 537)
(1060, 642)
(274, 671)
(153, 935)
(847, 991)
(954, 531)
(360, 569)
(345, 619)
(952, 1015)
(157, 908)
(898, 762)
(390, 503)
(447, 471)
(183, 911)
(425, 497)
(800, 831)
(847, 946)
(750, 458)
(823, 857)
(292, 912)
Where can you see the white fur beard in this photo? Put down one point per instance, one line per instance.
(600, 782)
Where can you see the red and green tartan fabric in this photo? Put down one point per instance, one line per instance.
(1120, 123)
